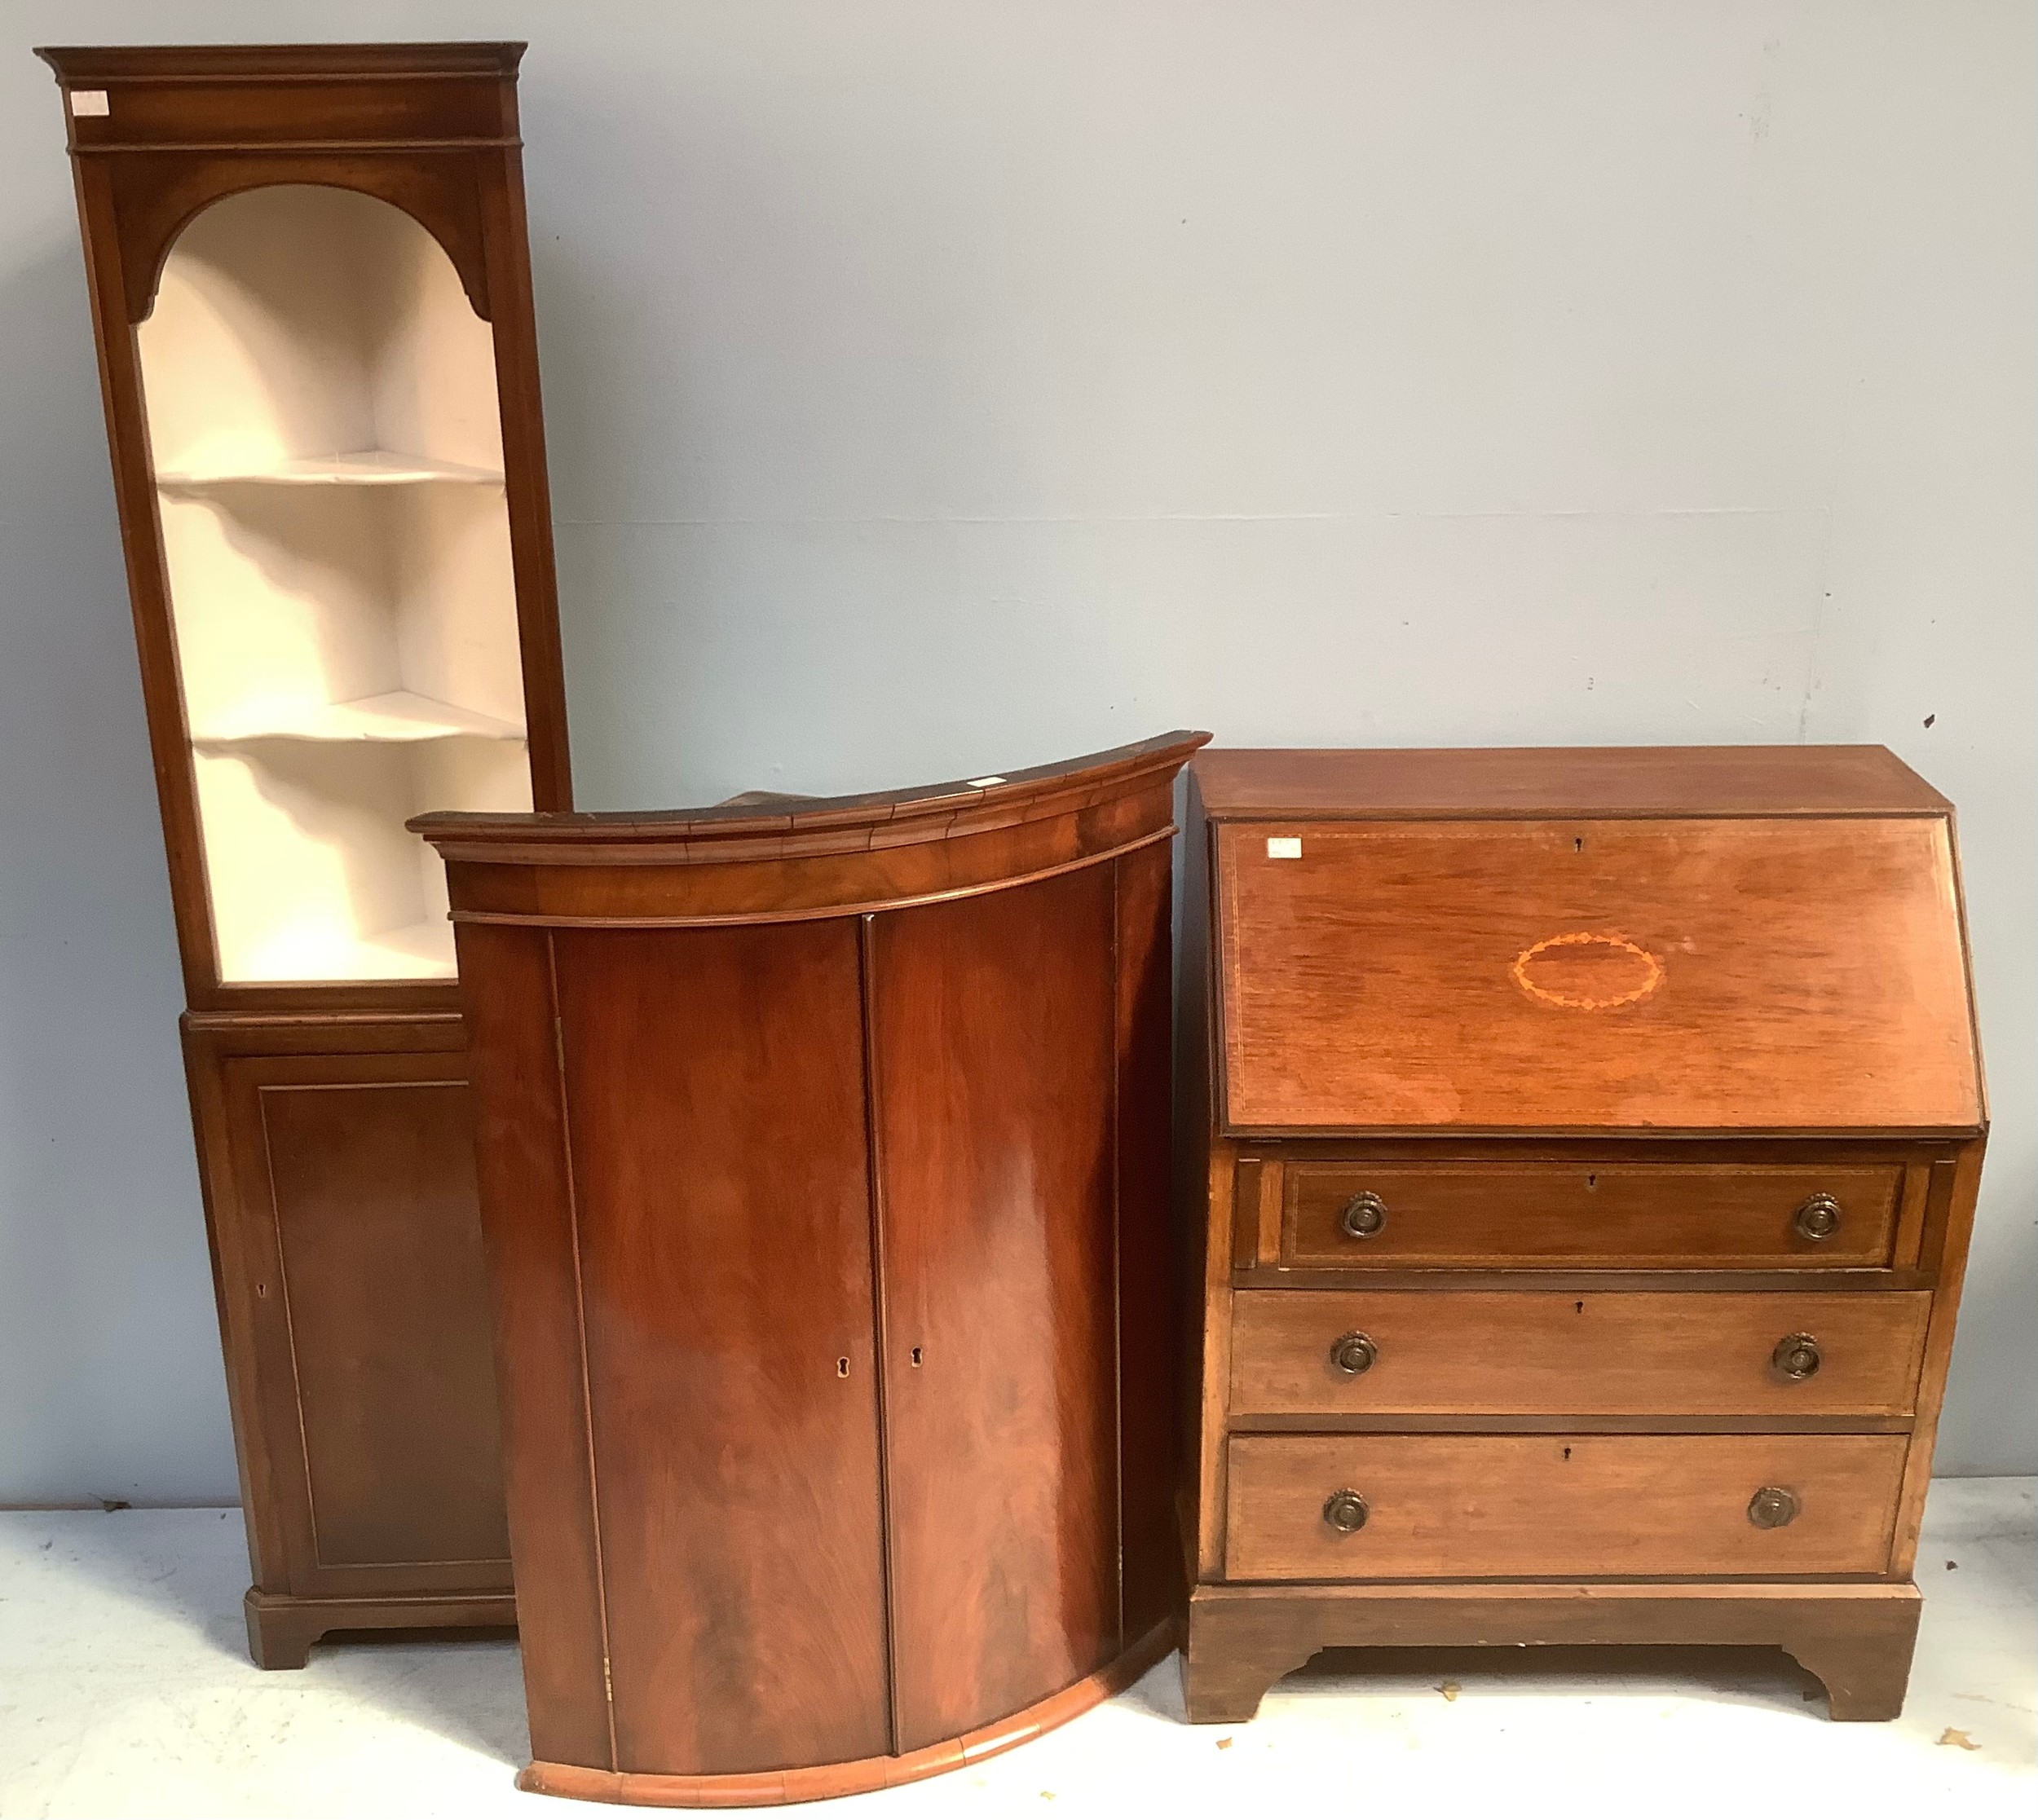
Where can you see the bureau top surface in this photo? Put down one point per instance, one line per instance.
(1499, 783)
(1672, 957)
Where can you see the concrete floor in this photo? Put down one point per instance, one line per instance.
(123, 1690)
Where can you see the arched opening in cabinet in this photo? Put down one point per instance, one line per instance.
(327, 443)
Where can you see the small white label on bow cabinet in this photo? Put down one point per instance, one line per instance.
(85, 103)
(1284, 846)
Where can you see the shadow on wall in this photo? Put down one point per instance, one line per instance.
(107, 1340)
(580, 325)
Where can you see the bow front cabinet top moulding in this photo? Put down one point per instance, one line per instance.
(1592, 1139)
(824, 1169)
(311, 294)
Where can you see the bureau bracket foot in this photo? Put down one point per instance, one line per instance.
(282, 1627)
(1863, 1658)
(1227, 1670)
(1855, 1638)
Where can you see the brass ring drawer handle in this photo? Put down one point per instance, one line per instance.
(1364, 1213)
(1796, 1357)
(1345, 1511)
(1772, 1507)
(1353, 1353)
(1818, 1218)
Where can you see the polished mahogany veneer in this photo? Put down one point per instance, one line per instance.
(823, 1151)
(1592, 1141)
(311, 295)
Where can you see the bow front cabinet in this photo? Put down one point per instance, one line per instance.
(823, 1151)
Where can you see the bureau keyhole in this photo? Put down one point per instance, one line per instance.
(916, 1355)
(1567, 1453)
(1578, 846)
(1592, 1182)
(841, 1368)
(1581, 1307)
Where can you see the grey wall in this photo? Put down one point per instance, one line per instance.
(935, 389)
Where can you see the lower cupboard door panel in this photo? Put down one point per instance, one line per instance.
(714, 1088)
(1585, 1506)
(354, 1214)
(993, 1040)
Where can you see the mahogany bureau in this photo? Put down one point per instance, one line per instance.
(1592, 1142)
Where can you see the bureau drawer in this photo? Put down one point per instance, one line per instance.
(1565, 1506)
(1456, 1352)
(1639, 1216)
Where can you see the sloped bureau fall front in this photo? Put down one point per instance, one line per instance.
(1592, 1142)
(823, 1158)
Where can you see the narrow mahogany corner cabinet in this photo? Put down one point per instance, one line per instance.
(824, 1155)
(311, 289)
(1592, 1139)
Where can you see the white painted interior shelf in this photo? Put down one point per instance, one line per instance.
(328, 447)
(399, 715)
(360, 468)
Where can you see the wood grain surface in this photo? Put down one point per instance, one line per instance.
(382, 1280)
(360, 1238)
(1501, 782)
(1519, 1352)
(816, 857)
(826, 1781)
(1150, 1275)
(993, 1026)
(530, 1231)
(1632, 1216)
(1601, 1506)
(1684, 975)
(715, 1095)
(1855, 1637)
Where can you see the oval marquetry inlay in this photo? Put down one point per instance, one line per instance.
(1586, 971)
